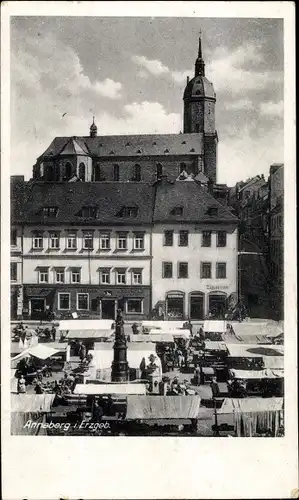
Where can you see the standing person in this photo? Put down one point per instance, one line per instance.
(82, 352)
(38, 388)
(21, 385)
(53, 333)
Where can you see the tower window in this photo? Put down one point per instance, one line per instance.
(136, 173)
(197, 127)
(183, 167)
(197, 92)
(166, 151)
(116, 172)
(159, 171)
(192, 150)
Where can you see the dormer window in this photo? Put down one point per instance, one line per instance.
(212, 211)
(111, 153)
(88, 212)
(183, 142)
(192, 150)
(166, 151)
(154, 143)
(128, 144)
(177, 211)
(50, 211)
(139, 151)
(128, 212)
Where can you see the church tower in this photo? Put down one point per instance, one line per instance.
(199, 114)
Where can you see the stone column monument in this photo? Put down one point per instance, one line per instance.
(120, 367)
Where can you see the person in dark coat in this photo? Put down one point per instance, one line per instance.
(82, 352)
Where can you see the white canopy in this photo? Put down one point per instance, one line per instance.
(149, 337)
(212, 326)
(97, 389)
(103, 357)
(176, 332)
(232, 405)
(163, 325)
(89, 334)
(86, 324)
(211, 345)
(254, 350)
(40, 351)
(256, 374)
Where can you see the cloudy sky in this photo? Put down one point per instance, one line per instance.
(131, 73)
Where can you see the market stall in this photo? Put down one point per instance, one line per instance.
(161, 325)
(252, 417)
(214, 330)
(113, 389)
(28, 413)
(253, 332)
(86, 324)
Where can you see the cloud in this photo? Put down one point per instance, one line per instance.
(228, 70)
(108, 88)
(157, 68)
(153, 66)
(272, 109)
(240, 104)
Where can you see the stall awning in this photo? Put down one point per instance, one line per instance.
(31, 402)
(149, 407)
(213, 326)
(254, 350)
(38, 292)
(85, 324)
(162, 337)
(102, 358)
(215, 346)
(251, 405)
(176, 332)
(89, 334)
(260, 330)
(257, 374)
(39, 351)
(114, 389)
(163, 325)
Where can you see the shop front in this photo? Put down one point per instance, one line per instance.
(38, 303)
(217, 304)
(197, 306)
(175, 302)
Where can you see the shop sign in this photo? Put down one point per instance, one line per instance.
(217, 287)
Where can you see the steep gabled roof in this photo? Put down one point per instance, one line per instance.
(128, 145)
(193, 198)
(109, 198)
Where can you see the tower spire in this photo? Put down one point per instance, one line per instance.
(93, 128)
(199, 63)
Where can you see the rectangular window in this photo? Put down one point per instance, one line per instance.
(104, 276)
(13, 271)
(105, 241)
(50, 211)
(75, 275)
(183, 238)
(168, 238)
(183, 270)
(59, 275)
(221, 270)
(221, 238)
(135, 306)
(88, 212)
(206, 270)
(63, 301)
(13, 237)
(88, 240)
(206, 238)
(71, 240)
(122, 241)
(82, 301)
(138, 241)
(43, 275)
(53, 240)
(167, 269)
(37, 240)
(121, 277)
(137, 277)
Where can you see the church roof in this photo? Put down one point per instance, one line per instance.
(195, 202)
(199, 86)
(108, 198)
(127, 145)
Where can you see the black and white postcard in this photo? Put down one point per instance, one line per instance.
(148, 250)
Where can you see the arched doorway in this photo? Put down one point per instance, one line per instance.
(175, 302)
(196, 305)
(217, 304)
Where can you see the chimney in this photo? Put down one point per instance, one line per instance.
(210, 184)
